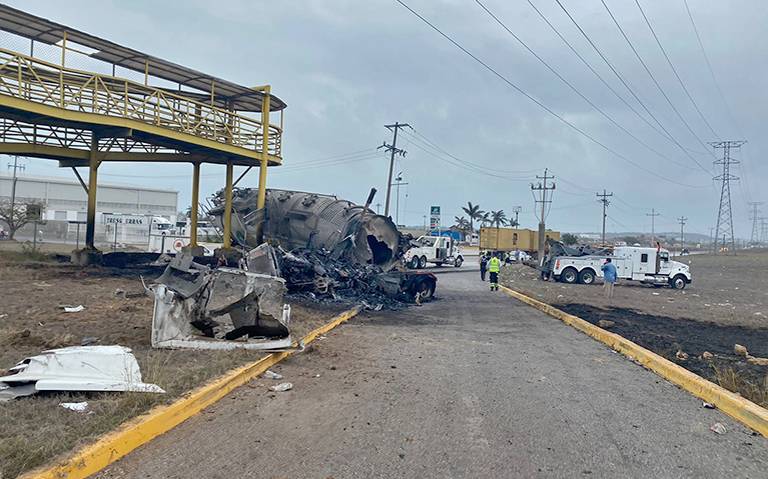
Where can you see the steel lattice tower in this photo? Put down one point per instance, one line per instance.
(754, 238)
(724, 228)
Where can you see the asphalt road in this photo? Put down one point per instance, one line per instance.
(474, 384)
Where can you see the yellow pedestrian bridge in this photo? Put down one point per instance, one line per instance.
(69, 96)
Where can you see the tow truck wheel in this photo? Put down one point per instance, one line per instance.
(414, 262)
(569, 275)
(587, 276)
(423, 262)
(459, 261)
(678, 282)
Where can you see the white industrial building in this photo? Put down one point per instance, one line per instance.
(65, 199)
(65, 204)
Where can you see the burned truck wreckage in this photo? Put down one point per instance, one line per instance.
(325, 246)
(300, 243)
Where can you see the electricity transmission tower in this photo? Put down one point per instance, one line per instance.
(542, 188)
(754, 238)
(605, 201)
(764, 231)
(653, 214)
(394, 150)
(682, 221)
(724, 227)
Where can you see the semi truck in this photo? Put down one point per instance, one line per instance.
(512, 239)
(438, 250)
(646, 265)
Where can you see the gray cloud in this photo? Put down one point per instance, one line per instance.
(346, 68)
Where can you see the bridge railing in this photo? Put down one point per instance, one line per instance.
(38, 81)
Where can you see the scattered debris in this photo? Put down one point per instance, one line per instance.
(89, 340)
(681, 355)
(740, 350)
(4, 315)
(269, 374)
(76, 368)
(72, 309)
(757, 361)
(282, 387)
(605, 323)
(718, 428)
(200, 308)
(707, 405)
(75, 406)
(707, 355)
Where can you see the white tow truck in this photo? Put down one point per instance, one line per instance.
(438, 250)
(647, 265)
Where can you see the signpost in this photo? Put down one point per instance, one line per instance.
(434, 218)
(34, 214)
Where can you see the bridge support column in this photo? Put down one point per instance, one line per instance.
(262, 197)
(193, 248)
(228, 208)
(89, 254)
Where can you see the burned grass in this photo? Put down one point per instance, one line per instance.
(669, 336)
(34, 430)
(726, 304)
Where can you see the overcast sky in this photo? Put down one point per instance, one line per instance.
(345, 68)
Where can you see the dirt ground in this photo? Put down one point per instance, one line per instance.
(35, 429)
(726, 304)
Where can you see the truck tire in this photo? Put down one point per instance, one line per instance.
(414, 263)
(587, 276)
(569, 275)
(459, 261)
(422, 262)
(678, 282)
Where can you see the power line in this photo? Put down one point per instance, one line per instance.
(653, 78)
(674, 70)
(663, 133)
(539, 103)
(709, 65)
(574, 89)
(626, 84)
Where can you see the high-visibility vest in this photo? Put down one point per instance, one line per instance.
(494, 265)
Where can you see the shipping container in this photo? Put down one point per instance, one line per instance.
(511, 239)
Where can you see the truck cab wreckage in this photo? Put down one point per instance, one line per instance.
(299, 242)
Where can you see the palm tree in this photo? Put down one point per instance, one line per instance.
(474, 212)
(484, 217)
(498, 218)
(461, 224)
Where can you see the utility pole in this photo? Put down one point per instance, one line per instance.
(754, 238)
(378, 208)
(682, 221)
(712, 238)
(12, 216)
(542, 188)
(605, 201)
(16, 167)
(653, 214)
(516, 210)
(399, 182)
(724, 227)
(394, 150)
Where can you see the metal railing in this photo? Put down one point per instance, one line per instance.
(38, 81)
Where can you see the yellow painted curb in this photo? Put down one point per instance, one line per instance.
(140, 430)
(742, 410)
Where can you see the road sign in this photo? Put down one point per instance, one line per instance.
(34, 212)
(434, 217)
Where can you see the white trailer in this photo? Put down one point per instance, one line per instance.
(438, 250)
(647, 265)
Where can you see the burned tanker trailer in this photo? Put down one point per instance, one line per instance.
(332, 234)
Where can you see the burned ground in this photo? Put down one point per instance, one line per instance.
(37, 428)
(726, 304)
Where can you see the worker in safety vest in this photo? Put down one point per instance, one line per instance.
(494, 266)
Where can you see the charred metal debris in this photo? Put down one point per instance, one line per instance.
(325, 247)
